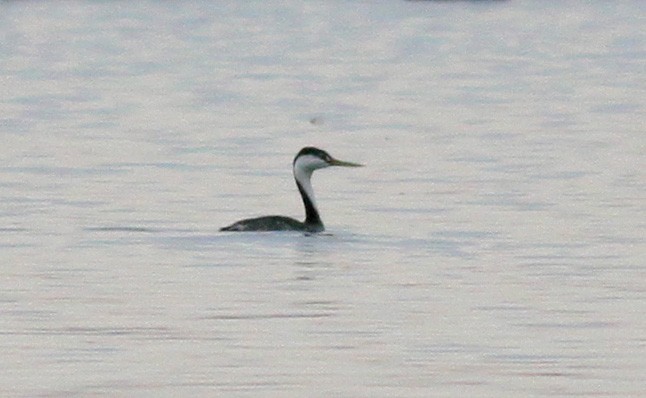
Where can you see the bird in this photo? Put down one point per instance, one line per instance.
(305, 162)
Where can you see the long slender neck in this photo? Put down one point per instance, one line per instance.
(304, 185)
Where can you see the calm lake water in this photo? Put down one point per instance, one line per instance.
(492, 247)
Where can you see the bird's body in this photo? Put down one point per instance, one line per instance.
(305, 162)
(273, 223)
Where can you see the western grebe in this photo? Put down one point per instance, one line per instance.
(305, 162)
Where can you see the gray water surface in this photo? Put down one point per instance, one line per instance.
(492, 247)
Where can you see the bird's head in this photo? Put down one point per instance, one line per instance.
(309, 159)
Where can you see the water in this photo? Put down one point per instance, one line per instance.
(493, 245)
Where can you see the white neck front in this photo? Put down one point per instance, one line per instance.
(303, 176)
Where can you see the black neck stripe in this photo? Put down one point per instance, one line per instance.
(311, 214)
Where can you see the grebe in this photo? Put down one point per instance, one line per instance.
(306, 161)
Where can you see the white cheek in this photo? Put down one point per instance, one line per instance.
(310, 163)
